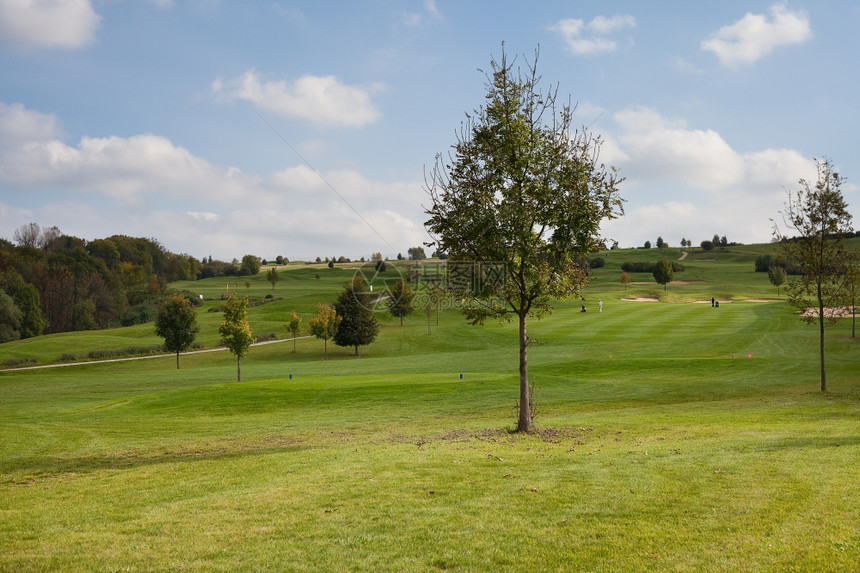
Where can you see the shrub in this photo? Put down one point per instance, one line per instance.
(648, 267)
(127, 351)
(707, 245)
(13, 362)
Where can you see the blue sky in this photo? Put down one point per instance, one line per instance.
(303, 128)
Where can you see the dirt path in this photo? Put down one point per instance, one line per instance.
(683, 255)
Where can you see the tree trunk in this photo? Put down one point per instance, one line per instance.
(177, 360)
(238, 369)
(325, 348)
(356, 349)
(821, 346)
(525, 422)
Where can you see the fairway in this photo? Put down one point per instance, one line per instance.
(672, 436)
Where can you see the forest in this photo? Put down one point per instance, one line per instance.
(51, 282)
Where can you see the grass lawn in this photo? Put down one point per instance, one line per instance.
(672, 437)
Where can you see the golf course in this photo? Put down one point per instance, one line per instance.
(671, 435)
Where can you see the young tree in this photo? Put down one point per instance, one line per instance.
(519, 199)
(235, 331)
(776, 275)
(819, 216)
(663, 273)
(625, 278)
(176, 323)
(272, 276)
(400, 301)
(294, 326)
(324, 324)
(359, 327)
(660, 243)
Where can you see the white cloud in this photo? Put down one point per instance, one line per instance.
(324, 100)
(36, 24)
(19, 125)
(204, 216)
(587, 39)
(417, 19)
(691, 183)
(755, 35)
(155, 188)
(657, 146)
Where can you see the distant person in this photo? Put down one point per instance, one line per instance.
(600, 305)
(712, 302)
(583, 308)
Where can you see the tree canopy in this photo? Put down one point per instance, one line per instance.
(358, 326)
(663, 273)
(324, 325)
(176, 322)
(516, 202)
(400, 300)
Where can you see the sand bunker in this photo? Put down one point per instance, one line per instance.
(829, 312)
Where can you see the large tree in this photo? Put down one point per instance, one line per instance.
(10, 319)
(235, 331)
(359, 327)
(516, 202)
(176, 323)
(816, 219)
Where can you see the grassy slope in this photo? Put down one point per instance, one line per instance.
(663, 446)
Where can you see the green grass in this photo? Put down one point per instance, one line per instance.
(672, 437)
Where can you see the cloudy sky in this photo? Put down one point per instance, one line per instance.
(303, 128)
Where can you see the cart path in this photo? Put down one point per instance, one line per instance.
(172, 355)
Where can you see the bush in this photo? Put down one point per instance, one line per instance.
(125, 352)
(597, 263)
(66, 357)
(648, 267)
(13, 362)
(707, 245)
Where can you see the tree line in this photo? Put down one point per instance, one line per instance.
(51, 282)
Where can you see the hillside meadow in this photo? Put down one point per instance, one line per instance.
(673, 436)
